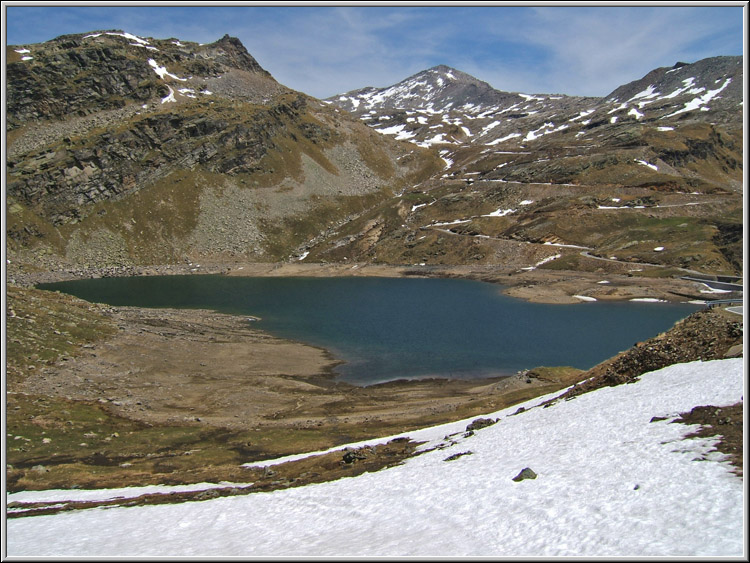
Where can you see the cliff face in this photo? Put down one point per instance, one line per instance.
(125, 150)
(76, 75)
(64, 179)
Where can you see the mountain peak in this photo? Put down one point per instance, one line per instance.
(231, 52)
(436, 89)
(139, 70)
(444, 69)
(713, 84)
(445, 72)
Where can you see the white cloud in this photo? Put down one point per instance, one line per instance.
(592, 51)
(579, 51)
(327, 50)
(336, 50)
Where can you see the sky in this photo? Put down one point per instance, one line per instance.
(610, 481)
(328, 49)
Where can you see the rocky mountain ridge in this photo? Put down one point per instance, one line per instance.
(528, 170)
(127, 151)
(437, 89)
(85, 73)
(445, 106)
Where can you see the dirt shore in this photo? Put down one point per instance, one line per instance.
(167, 366)
(186, 396)
(539, 286)
(616, 282)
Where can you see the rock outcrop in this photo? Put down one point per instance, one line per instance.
(126, 150)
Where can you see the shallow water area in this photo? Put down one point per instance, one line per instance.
(403, 328)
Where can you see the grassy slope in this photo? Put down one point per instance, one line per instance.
(153, 222)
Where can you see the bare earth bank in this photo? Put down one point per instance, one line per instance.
(616, 282)
(187, 396)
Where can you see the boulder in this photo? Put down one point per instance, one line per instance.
(480, 423)
(526, 473)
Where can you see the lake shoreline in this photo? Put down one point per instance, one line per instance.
(206, 373)
(153, 372)
(400, 327)
(536, 286)
(218, 394)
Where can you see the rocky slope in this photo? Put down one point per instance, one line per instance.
(445, 106)
(651, 174)
(126, 150)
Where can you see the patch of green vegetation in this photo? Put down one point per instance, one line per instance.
(490, 161)
(283, 237)
(375, 157)
(658, 273)
(555, 373)
(54, 442)
(282, 161)
(640, 236)
(152, 221)
(423, 164)
(13, 57)
(43, 326)
(416, 198)
(571, 261)
(26, 229)
(299, 133)
(493, 226)
(709, 151)
(681, 241)
(624, 173)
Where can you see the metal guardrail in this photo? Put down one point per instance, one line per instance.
(723, 302)
(732, 279)
(715, 284)
(716, 277)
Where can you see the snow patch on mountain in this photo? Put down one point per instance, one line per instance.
(162, 71)
(700, 101)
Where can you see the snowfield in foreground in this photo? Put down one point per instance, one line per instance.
(609, 483)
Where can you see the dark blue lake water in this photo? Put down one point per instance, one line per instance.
(388, 328)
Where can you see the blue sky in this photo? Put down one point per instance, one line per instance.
(324, 50)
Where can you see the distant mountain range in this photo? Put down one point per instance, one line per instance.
(443, 105)
(125, 150)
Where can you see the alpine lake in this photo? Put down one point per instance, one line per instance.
(403, 328)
